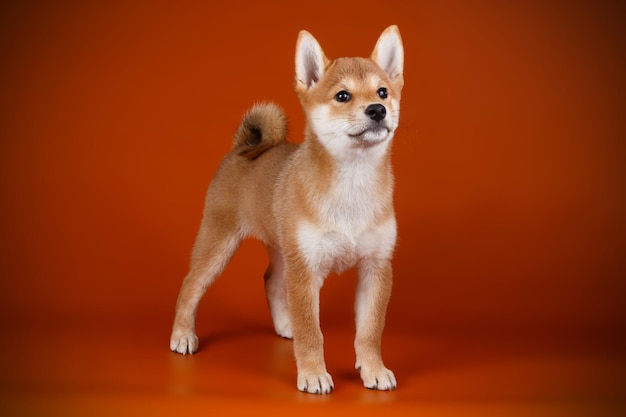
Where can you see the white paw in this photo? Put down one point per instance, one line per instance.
(381, 379)
(184, 342)
(315, 383)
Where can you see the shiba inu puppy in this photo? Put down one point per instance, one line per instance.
(320, 206)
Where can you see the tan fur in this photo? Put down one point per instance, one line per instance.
(322, 206)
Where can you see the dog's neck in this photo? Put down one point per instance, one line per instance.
(355, 187)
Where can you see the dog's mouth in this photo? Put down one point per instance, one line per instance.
(370, 136)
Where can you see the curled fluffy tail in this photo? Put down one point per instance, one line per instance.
(262, 127)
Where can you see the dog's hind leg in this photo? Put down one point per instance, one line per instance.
(276, 293)
(214, 247)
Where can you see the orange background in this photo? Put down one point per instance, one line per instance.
(510, 198)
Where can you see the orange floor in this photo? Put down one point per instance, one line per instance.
(509, 291)
(109, 368)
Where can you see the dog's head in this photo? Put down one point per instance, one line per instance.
(351, 102)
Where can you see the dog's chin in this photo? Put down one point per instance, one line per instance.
(370, 137)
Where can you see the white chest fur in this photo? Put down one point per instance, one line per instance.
(350, 223)
(327, 250)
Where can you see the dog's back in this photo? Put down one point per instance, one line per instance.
(243, 187)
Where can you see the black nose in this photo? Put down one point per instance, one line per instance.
(376, 112)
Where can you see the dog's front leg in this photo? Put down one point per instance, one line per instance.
(303, 294)
(373, 292)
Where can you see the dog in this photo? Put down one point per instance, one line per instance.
(320, 206)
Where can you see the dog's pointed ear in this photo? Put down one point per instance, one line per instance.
(389, 53)
(310, 61)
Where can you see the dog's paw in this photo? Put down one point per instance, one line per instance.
(184, 342)
(381, 379)
(315, 383)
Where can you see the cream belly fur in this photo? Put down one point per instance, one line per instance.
(324, 205)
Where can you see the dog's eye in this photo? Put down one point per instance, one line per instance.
(343, 96)
(382, 92)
